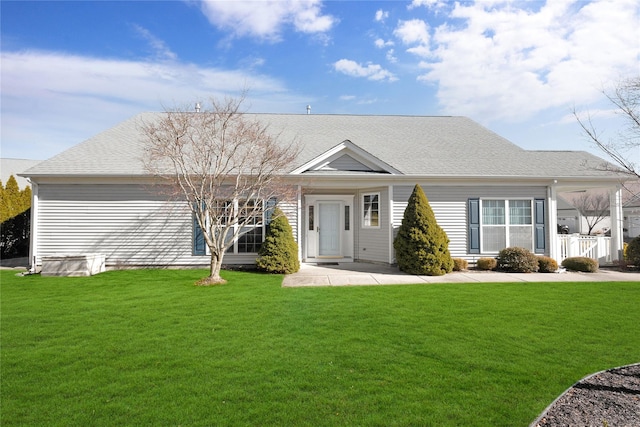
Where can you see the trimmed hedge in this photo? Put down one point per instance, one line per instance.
(547, 265)
(578, 263)
(517, 260)
(486, 264)
(460, 264)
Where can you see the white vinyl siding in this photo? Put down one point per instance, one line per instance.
(130, 224)
(449, 205)
(372, 243)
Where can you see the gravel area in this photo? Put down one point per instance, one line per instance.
(607, 399)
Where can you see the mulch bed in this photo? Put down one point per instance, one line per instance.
(606, 399)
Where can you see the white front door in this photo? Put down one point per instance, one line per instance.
(329, 229)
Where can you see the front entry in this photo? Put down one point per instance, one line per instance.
(329, 229)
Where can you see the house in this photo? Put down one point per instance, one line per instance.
(353, 178)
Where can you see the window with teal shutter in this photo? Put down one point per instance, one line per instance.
(199, 247)
(474, 226)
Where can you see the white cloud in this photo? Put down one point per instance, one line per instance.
(511, 63)
(370, 71)
(414, 32)
(266, 19)
(44, 92)
(380, 43)
(430, 4)
(391, 56)
(381, 15)
(159, 47)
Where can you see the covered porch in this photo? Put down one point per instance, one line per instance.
(604, 249)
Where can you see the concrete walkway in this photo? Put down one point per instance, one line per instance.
(357, 273)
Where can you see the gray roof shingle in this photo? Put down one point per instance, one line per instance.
(414, 145)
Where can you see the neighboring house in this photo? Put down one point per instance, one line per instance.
(353, 178)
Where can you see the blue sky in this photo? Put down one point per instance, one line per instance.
(73, 69)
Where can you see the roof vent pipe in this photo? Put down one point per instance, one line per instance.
(197, 107)
(308, 109)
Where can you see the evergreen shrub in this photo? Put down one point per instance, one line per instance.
(279, 251)
(460, 264)
(547, 264)
(422, 246)
(517, 260)
(578, 263)
(632, 254)
(486, 264)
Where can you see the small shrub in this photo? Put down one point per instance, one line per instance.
(422, 246)
(517, 260)
(486, 264)
(547, 265)
(579, 263)
(633, 253)
(460, 264)
(279, 251)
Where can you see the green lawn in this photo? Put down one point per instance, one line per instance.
(147, 348)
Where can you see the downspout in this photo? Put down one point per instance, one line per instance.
(33, 244)
(300, 221)
(552, 203)
(391, 223)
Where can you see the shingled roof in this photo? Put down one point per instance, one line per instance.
(411, 145)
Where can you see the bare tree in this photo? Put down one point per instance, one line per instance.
(626, 99)
(593, 206)
(225, 164)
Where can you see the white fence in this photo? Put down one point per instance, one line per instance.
(595, 247)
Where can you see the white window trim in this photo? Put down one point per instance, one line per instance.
(362, 216)
(234, 246)
(507, 222)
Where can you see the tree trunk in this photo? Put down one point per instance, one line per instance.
(214, 272)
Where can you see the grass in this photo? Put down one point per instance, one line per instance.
(150, 348)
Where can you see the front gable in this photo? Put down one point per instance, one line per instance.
(346, 157)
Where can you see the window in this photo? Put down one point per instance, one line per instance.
(371, 210)
(347, 218)
(506, 223)
(250, 211)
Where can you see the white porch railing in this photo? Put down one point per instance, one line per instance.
(595, 247)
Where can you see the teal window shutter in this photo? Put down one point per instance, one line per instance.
(474, 226)
(539, 230)
(199, 247)
(268, 212)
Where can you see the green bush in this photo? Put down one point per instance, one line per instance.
(547, 265)
(279, 251)
(579, 263)
(460, 264)
(517, 260)
(422, 246)
(486, 264)
(633, 253)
